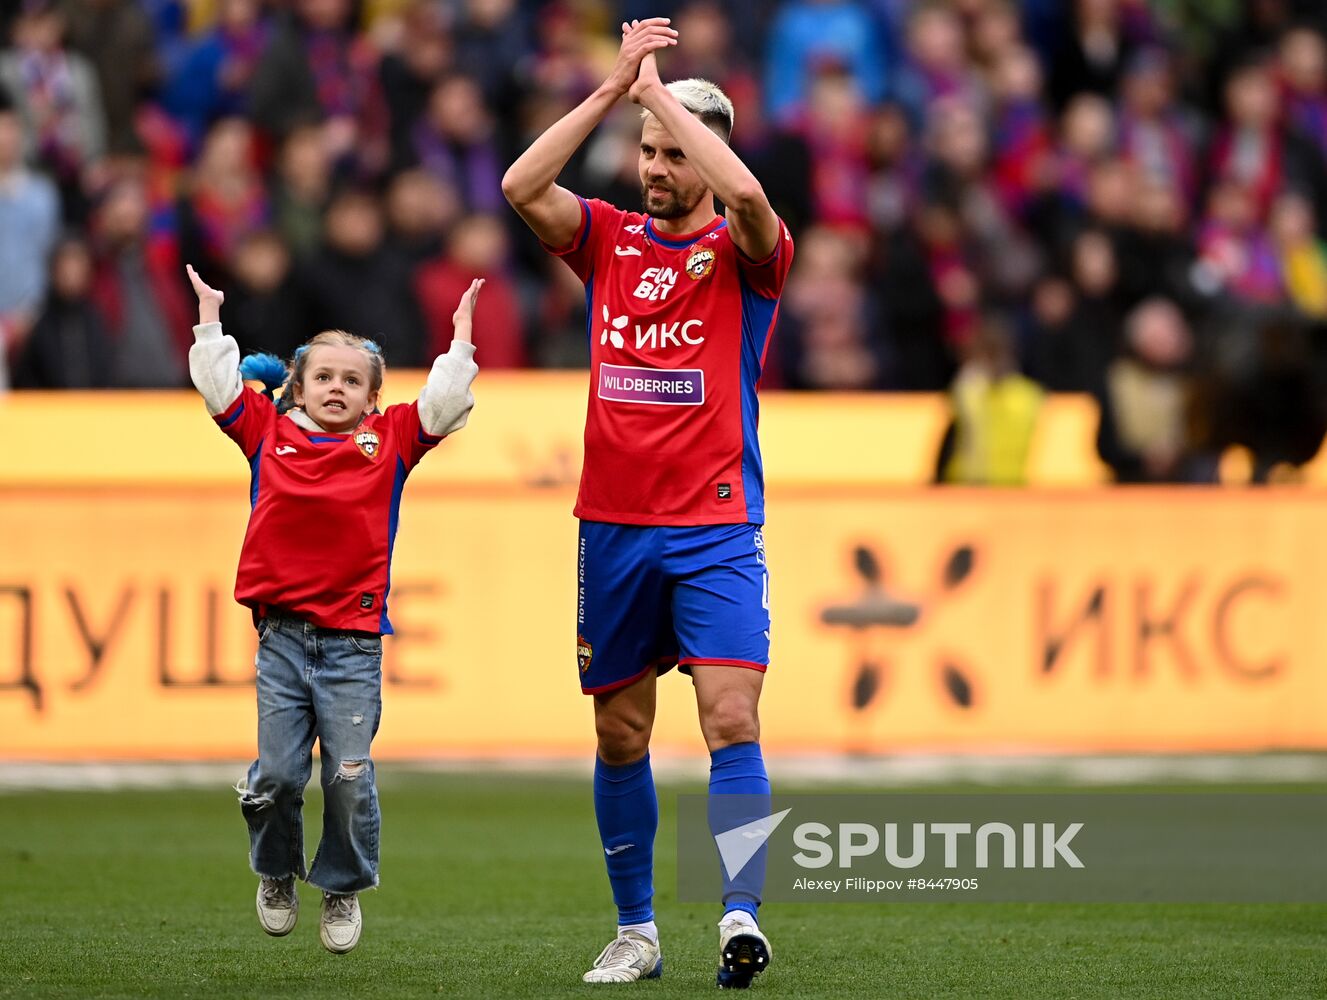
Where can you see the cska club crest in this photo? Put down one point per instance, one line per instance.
(700, 263)
(369, 443)
(584, 653)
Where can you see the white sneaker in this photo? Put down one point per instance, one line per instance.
(278, 905)
(744, 953)
(629, 956)
(340, 924)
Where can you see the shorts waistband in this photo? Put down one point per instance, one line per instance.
(281, 616)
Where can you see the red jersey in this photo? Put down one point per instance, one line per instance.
(679, 327)
(325, 507)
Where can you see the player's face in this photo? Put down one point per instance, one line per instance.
(335, 390)
(670, 186)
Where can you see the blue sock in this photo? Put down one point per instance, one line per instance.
(739, 770)
(627, 809)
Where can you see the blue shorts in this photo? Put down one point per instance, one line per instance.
(655, 597)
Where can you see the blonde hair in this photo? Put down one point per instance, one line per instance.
(706, 101)
(333, 338)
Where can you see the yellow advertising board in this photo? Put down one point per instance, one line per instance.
(525, 431)
(903, 620)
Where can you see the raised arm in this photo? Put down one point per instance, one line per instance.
(530, 183)
(445, 401)
(751, 221)
(214, 358)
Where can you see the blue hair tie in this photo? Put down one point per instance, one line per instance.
(371, 346)
(300, 350)
(265, 368)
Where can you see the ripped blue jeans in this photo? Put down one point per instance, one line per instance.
(315, 682)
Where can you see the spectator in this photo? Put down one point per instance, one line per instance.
(138, 291)
(987, 237)
(1250, 150)
(1301, 254)
(302, 188)
(1303, 71)
(454, 141)
(478, 249)
(808, 34)
(357, 283)
(58, 99)
(1271, 404)
(29, 220)
(213, 77)
(824, 334)
(1144, 435)
(265, 308)
(1077, 329)
(118, 37)
(995, 411)
(315, 69)
(1093, 53)
(426, 53)
(491, 46)
(833, 129)
(1087, 138)
(1155, 135)
(1235, 255)
(223, 201)
(936, 64)
(1021, 164)
(896, 167)
(421, 210)
(69, 347)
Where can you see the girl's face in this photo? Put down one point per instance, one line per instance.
(336, 389)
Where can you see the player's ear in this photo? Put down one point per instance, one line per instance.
(372, 403)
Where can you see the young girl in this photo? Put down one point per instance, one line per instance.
(327, 475)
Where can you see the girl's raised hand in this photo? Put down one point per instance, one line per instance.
(463, 318)
(209, 298)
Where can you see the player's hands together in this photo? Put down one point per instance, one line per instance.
(646, 79)
(639, 39)
(209, 298)
(464, 317)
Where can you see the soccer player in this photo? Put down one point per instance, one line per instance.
(671, 560)
(327, 478)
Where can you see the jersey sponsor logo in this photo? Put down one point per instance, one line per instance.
(656, 283)
(652, 386)
(369, 443)
(286, 449)
(700, 263)
(655, 337)
(584, 653)
(612, 331)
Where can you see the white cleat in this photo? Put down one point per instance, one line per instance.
(278, 905)
(744, 953)
(629, 956)
(340, 925)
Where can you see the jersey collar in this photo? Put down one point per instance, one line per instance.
(684, 240)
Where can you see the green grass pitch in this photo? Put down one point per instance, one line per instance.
(493, 886)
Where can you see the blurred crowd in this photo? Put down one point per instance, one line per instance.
(991, 198)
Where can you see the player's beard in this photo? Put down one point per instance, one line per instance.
(670, 206)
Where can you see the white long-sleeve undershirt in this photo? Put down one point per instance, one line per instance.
(444, 402)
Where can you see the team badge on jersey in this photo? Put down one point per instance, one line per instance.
(584, 653)
(369, 443)
(700, 263)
